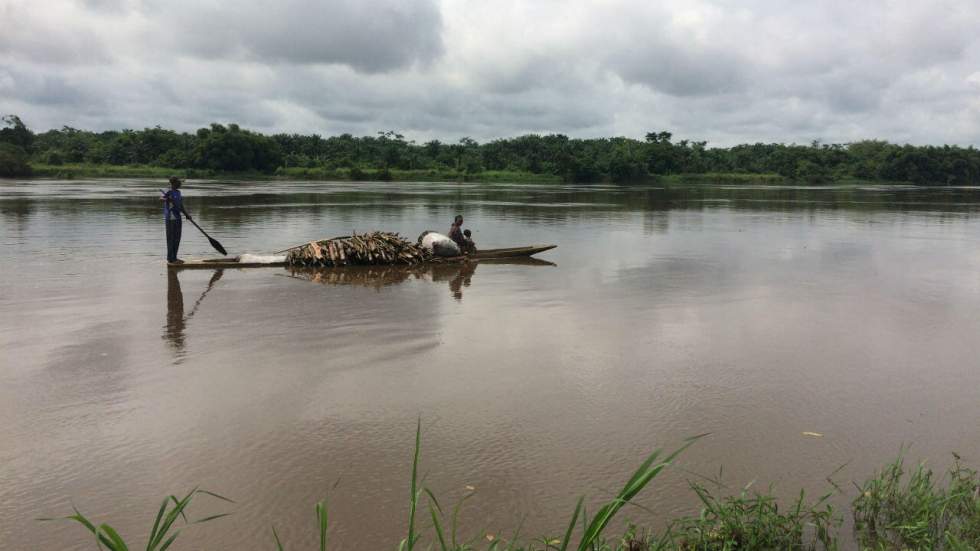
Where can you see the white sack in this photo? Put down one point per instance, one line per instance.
(261, 259)
(440, 245)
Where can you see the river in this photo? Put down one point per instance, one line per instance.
(755, 313)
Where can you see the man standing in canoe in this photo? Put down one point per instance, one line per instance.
(173, 206)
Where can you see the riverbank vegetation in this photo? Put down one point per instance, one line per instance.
(902, 508)
(230, 151)
(894, 510)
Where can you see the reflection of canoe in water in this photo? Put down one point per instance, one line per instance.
(487, 254)
(458, 274)
(378, 276)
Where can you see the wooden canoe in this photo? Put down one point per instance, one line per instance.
(486, 254)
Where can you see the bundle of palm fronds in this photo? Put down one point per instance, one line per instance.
(374, 248)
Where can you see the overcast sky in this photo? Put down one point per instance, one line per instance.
(722, 71)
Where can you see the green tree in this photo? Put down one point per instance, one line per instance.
(13, 160)
(15, 142)
(16, 132)
(233, 149)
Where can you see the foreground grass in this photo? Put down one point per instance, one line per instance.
(895, 510)
(900, 509)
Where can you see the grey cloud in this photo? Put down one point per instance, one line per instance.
(681, 71)
(925, 34)
(49, 88)
(108, 6)
(853, 96)
(368, 36)
(726, 72)
(542, 111)
(526, 72)
(848, 90)
(27, 36)
(342, 99)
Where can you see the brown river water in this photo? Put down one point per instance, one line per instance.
(754, 313)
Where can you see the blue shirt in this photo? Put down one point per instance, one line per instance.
(174, 206)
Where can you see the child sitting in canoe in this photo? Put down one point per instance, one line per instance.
(468, 245)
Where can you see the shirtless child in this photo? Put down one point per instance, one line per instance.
(468, 245)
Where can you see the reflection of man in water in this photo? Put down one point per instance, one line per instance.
(462, 279)
(175, 312)
(176, 320)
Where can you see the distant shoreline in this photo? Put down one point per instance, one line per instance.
(85, 170)
(70, 171)
(233, 152)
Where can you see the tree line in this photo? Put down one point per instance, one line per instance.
(230, 148)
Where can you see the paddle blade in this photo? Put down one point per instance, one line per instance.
(217, 246)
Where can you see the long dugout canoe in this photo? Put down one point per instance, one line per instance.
(485, 254)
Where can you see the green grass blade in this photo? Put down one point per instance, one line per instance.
(169, 519)
(177, 507)
(639, 480)
(156, 523)
(643, 468)
(455, 519)
(276, 536)
(169, 541)
(111, 538)
(321, 516)
(80, 518)
(438, 528)
(410, 540)
(158, 539)
(432, 498)
(513, 540)
(212, 494)
(210, 518)
(103, 539)
(571, 525)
